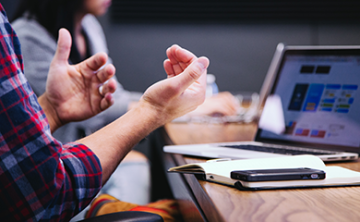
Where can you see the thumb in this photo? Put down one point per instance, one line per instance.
(63, 47)
(194, 72)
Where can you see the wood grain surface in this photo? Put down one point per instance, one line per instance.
(309, 204)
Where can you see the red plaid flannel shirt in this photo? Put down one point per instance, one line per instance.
(40, 179)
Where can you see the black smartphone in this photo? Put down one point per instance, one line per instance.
(278, 174)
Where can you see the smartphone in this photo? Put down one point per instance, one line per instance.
(278, 174)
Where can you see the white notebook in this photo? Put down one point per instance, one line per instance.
(219, 171)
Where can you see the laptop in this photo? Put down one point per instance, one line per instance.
(316, 91)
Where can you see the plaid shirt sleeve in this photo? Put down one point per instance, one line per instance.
(40, 179)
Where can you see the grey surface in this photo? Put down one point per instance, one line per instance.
(240, 54)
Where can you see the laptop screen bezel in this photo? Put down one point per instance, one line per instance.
(308, 50)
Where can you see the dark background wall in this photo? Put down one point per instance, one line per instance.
(240, 49)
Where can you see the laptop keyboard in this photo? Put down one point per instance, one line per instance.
(281, 150)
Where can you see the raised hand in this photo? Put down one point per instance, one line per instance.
(178, 60)
(76, 92)
(185, 87)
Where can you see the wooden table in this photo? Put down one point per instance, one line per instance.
(205, 201)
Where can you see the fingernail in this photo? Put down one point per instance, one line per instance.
(101, 90)
(202, 64)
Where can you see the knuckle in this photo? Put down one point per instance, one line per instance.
(195, 72)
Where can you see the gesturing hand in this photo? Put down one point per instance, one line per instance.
(178, 60)
(184, 89)
(76, 92)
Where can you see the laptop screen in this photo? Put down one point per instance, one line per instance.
(320, 96)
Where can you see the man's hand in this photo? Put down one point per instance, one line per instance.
(183, 90)
(76, 92)
(178, 60)
(223, 103)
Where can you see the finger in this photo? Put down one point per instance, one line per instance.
(92, 64)
(169, 68)
(63, 47)
(173, 61)
(179, 58)
(108, 87)
(195, 72)
(177, 54)
(178, 68)
(106, 73)
(185, 57)
(170, 53)
(107, 101)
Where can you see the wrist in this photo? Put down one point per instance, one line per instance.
(151, 114)
(50, 112)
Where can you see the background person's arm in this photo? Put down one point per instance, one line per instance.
(223, 103)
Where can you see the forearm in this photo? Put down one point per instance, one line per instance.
(161, 102)
(114, 141)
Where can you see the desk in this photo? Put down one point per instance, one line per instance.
(206, 201)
